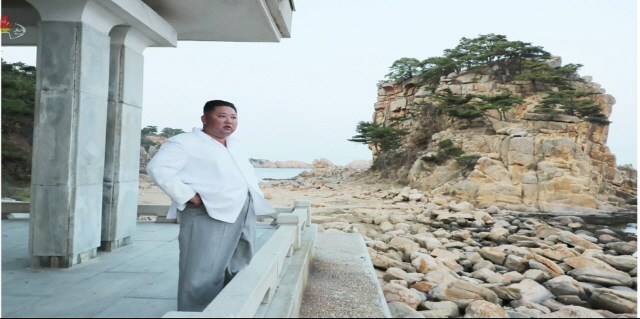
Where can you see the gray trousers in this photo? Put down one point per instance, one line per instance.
(212, 252)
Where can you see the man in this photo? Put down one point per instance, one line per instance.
(213, 187)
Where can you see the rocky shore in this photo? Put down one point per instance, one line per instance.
(439, 259)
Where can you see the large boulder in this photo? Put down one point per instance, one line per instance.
(398, 293)
(560, 254)
(623, 263)
(440, 276)
(622, 248)
(516, 263)
(394, 273)
(532, 291)
(506, 293)
(493, 254)
(573, 312)
(571, 239)
(614, 300)
(539, 262)
(565, 285)
(484, 309)
(601, 276)
(404, 245)
(449, 308)
(425, 263)
(587, 262)
(402, 310)
(381, 261)
(462, 293)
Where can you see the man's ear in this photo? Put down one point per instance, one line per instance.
(203, 119)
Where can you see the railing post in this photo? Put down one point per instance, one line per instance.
(304, 204)
(294, 220)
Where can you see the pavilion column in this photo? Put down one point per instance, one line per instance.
(122, 156)
(69, 134)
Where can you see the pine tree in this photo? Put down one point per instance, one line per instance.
(573, 102)
(382, 138)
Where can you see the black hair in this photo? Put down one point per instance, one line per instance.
(211, 105)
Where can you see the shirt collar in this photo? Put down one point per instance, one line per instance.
(198, 131)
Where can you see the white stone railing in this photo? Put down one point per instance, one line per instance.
(160, 211)
(257, 283)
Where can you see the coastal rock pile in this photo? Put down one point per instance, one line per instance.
(443, 260)
(263, 163)
(323, 169)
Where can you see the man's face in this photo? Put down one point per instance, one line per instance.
(220, 122)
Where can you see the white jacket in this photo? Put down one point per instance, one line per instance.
(191, 163)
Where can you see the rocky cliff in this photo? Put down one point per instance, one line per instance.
(526, 161)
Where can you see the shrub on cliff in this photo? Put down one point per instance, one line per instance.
(382, 138)
(446, 152)
(573, 102)
(543, 73)
(470, 106)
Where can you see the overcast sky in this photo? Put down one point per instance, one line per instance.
(301, 99)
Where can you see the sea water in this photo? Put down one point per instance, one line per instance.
(632, 228)
(278, 173)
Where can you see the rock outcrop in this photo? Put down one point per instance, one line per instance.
(359, 164)
(263, 163)
(526, 162)
(323, 169)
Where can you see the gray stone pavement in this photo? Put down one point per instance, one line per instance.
(342, 282)
(136, 281)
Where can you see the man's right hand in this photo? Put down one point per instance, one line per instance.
(196, 200)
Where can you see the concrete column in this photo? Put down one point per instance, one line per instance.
(72, 85)
(68, 143)
(122, 156)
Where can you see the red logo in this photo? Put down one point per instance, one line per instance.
(13, 30)
(5, 25)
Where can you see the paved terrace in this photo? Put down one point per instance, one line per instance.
(136, 281)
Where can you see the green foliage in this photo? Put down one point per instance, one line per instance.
(404, 69)
(457, 106)
(18, 92)
(436, 67)
(149, 130)
(146, 143)
(501, 103)
(382, 138)
(18, 105)
(169, 132)
(470, 106)
(484, 50)
(573, 102)
(445, 144)
(467, 161)
(540, 72)
(446, 152)
(492, 49)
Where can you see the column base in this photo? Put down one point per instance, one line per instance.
(62, 261)
(112, 245)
